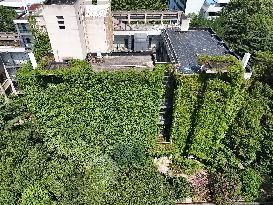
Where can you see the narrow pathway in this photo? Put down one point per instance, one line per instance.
(166, 108)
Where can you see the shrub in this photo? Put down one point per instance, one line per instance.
(251, 183)
(181, 186)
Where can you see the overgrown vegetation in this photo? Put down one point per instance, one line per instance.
(79, 137)
(7, 15)
(245, 154)
(135, 5)
(224, 122)
(41, 46)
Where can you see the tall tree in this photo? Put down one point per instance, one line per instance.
(248, 25)
(7, 16)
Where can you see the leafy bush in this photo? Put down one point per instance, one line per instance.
(251, 184)
(42, 46)
(245, 135)
(185, 165)
(128, 155)
(226, 186)
(6, 21)
(187, 96)
(35, 194)
(181, 186)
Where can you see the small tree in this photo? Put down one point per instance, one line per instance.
(248, 25)
(7, 15)
(42, 45)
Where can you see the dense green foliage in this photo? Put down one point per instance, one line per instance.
(42, 46)
(186, 105)
(79, 137)
(205, 107)
(221, 102)
(247, 25)
(136, 5)
(7, 15)
(199, 20)
(225, 123)
(97, 110)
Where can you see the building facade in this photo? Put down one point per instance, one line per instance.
(12, 57)
(212, 10)
(78, 27)
(187, 6)
(24, 32)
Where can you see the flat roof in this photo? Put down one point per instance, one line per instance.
(124, 61)
(183, 48)
(60, 2)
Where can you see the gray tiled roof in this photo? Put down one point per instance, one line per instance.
(186, 46)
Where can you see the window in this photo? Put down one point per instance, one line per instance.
(60, 17)
(28, 40)
(213, 14)
(62, 27)
(60, 22)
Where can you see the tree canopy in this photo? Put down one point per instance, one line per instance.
(247, 25)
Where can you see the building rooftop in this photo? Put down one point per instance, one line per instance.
(31, 8)
(60, 2)
(9, 39)
(124, 61)
(183, 48)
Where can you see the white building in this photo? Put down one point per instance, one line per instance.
(12, 57)
(212, 10)
(187, 6)
(78, 27)
(19, 4)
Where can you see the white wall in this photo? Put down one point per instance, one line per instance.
(193, 6)
(66, 43)
(19, 3)
(96, 20)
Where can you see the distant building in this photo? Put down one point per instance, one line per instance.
(78, 27)
(12, 57)
(24, 32)
(19, 5)
(187, 6)
(136, 31)
(212, 10)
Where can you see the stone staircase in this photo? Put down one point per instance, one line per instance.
(166, 108)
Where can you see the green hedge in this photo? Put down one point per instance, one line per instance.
(186, 104)
(79, 109)
(222, 101)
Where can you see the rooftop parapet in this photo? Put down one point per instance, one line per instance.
(9, 39)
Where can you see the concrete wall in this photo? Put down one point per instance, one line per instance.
(193, 6)
(66, 43)
(99, 28)
(88, 29)
(80, 11)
